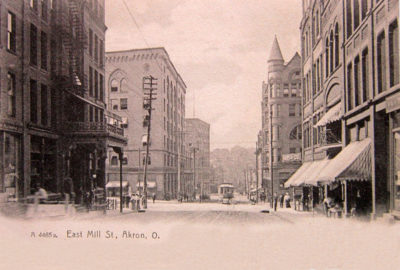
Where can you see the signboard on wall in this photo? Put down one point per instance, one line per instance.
(291, 157)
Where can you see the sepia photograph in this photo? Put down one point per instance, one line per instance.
(199, 134)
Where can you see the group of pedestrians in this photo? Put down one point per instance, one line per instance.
(283, 200)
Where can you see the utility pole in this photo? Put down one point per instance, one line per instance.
(256, 172)
(149, 86)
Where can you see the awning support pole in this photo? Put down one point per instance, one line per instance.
(345, 197)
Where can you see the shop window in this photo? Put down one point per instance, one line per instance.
(11, 32)
(11, 93)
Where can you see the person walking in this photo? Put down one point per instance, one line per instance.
(275, 201)
(154, 197)
(287, 200)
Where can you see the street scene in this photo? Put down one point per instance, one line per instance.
(236, 134)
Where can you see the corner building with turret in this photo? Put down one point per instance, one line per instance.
(279, 141)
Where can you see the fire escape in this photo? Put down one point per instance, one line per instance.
(70, 30)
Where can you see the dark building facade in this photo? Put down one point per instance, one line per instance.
(52, 109)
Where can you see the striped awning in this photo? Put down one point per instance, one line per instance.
(114, 184)
(330, 116)
(312, 173)
(298, 175)
(352, 163)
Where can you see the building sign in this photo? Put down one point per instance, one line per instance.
(291, 157)
(393, 103)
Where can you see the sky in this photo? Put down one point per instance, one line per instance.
(219, 47)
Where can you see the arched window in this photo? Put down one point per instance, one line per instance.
(336, 44)
(124, 85)
(114, 85)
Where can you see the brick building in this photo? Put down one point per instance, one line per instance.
(168, 159)
(281, 121)
(51, 115)
(350, 107)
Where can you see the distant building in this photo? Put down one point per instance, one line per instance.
(281, 121)
(167, 158)
(52, 107)
(197, 136)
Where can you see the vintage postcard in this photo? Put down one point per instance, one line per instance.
(199, 134)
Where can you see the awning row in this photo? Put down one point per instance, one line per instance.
(113, 184)
(352, 163)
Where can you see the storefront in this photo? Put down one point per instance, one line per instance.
(11, 181)
(393, 109)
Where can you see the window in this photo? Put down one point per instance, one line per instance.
(101, 87)
(91, 81)
(292, 109)
(336, 45)
(33, 101)
(356, 13)
(365, 75)
(34, 5)
(314, 86)
(11, 35)
(114, 161)
(326, 58)
(381, 63)
(101, 52)
(124, 103)
(286, 92)
(275, 133)
(96, 84)
(43, 50)
(43, 104)
(91, 114)
(364, 9)
(394, 53)
(357, 87)
(295, 133)
(349, 29)
(294, 93)
(148, 160)
(292, 150)
(350, 87)
(114, 86)
(90, 42)
(331, 52)
(124, 122)
(96, 48)
(101, 116)
(278, 109)
(125, 160)
(11, 110)
(33, 45)
(44, 10)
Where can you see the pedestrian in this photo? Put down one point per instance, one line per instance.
(154, 197)
(281, 200)
(275, 198)
(287, 200)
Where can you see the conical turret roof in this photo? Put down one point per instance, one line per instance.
(275, 53)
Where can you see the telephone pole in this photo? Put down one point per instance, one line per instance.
(149, 87)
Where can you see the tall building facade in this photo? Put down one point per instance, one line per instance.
(350, 75)
(125, 96)
(279, 142)
(52, 117)
(197, 135)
